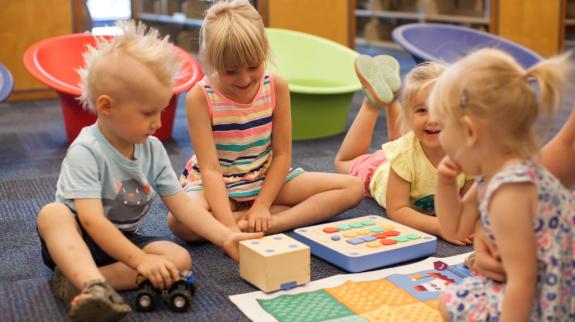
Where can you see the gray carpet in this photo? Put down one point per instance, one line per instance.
(33, 143)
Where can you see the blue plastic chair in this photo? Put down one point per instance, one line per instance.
(448, 43)
(6, 83)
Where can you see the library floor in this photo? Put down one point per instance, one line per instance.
(33, 145)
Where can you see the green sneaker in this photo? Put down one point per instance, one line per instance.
(379, 77)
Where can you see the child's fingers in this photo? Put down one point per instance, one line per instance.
(166, 277)
(251, 225)
(457, 242)
(156, 279)
(174, 271)
(259, 224)
(446, 170)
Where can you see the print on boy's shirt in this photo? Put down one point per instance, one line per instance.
(131, 204)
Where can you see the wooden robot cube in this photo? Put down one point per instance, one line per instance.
(276, 262)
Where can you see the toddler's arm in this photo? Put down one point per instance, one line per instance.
(457, 216)
(259, 217)
(204, 224)
(487, 259)
(199, 125)
(398, 209)
(511, 213)
(558, 156)
(159, 270)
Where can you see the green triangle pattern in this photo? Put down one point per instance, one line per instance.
(309, 307)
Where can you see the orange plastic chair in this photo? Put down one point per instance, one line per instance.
(54, 62)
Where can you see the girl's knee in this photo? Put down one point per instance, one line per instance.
(173, 222)
(355, 188)
(176, 226)
(341, 166)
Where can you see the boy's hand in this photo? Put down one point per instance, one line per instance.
(160, 271)
(259, 219)
(448, 170)
(231, 243)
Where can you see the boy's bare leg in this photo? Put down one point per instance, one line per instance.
(121, 277)
(61, 233)
(314, 197)
(360, 134)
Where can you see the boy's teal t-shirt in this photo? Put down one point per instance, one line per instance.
(94, 169)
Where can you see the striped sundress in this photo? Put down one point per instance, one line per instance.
(243, 138)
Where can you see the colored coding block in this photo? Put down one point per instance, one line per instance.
(274, 262)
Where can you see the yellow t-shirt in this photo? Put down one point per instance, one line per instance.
(406, 157)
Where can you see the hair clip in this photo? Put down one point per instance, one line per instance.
(464, 99)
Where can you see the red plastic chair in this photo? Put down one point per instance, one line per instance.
(54, 62)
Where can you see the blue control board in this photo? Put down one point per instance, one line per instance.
(365, 243)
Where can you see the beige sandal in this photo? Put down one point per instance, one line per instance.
(63, 288)
(101, 303)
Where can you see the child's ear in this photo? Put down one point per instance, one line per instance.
(471, 131)
(104, 105)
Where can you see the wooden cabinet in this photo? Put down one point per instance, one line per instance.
(535, 24)
(569, 25)
(23, 23)
(181, 19)
(331, 19)
(377, 18)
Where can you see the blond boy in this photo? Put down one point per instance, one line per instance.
(109, 178)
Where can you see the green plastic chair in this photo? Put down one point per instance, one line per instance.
(321, 80)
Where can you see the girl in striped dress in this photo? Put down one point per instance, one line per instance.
(240, 127)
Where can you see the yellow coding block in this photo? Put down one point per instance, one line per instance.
(276, 262)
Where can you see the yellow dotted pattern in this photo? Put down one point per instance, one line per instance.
(434, 304)
(418, 312)
(367, 296)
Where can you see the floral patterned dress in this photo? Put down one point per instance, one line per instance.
(478, 298)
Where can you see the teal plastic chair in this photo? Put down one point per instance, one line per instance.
(6, 83)
(321, 80)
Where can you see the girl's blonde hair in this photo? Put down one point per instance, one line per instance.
(136, 41)
(491, 86)
(423, 75)
(232, 36)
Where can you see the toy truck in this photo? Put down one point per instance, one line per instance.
(179, 294)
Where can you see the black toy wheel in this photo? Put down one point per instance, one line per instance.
(179, 301)
(144, 302)
(145, 298)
